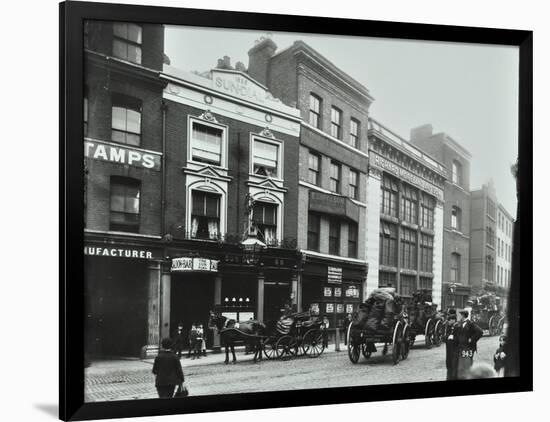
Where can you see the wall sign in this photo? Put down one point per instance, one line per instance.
(241, 85)
(349, 308)
(105, 151)
(114, 252)
(327, 291)
(330, 308)
(340, 308)
(352, 291)
(184, 264)
(333, 204)
(337, 292)
(314, 308)
(334, 274)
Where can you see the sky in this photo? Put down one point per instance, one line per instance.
(469, 91)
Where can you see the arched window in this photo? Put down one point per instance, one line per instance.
(456, 218)
(455, 268)
(457, 173)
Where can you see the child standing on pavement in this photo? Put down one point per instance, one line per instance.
(500, 357)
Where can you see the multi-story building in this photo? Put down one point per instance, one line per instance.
(505, 229)
(405, 194)
(483, 238)
(333, 162)
(456, 212)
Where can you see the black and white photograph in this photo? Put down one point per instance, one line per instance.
(273, 211)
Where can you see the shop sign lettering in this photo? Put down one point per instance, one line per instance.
(117, 252)
(330, 308)
(117, 154)
(349, 308)
(239, 85)
(334, 274)
(340, 308)
(328, 292)
(184, 264)
(337, 291)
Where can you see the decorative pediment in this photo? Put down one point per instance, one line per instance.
(208, 116)
(267, 133)
(207, 172)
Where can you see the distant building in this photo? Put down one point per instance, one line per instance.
(505, 229)
(456, 214)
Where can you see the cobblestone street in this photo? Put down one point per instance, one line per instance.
(126, 380)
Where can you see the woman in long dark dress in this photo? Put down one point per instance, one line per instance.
(451, 349)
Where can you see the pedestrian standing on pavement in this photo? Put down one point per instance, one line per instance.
(500, 357)
(467, 334)
(347, 322)
(202, 339)
(167, 370)
(451, 350)
(179, 340)
(325, 326)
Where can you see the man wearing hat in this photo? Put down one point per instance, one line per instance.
(451, 349)
(466, 335)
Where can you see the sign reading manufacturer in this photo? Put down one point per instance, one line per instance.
(117, 252)
(334, 274)
(104, 151)
(184, 264)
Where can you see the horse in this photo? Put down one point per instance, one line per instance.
(231, 332)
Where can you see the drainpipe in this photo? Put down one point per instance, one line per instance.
(163, 108)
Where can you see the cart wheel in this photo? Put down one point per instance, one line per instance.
(312, 344)
(353, 349)
(429, 334)
(438, 333)
(285, 347)
(397, 342)
(405, 347)
(270, 350)
(500, 329)
(365, 350)
(493, 325)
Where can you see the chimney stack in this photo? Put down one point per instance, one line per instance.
(421, 132)
(259, 57)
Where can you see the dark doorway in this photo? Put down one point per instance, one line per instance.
(276, 295)
(191, 299)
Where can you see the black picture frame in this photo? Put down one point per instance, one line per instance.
(72, 15)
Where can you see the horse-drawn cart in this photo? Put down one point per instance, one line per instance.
(379, 320)
(487, 313)
(424, 319)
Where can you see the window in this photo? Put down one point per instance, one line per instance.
(427, 212)
(266, 158)
(313, 168)
(457, 173)
(388, 201)
(264, 216)
(426, 253)
(499, 247)
(386, 279)
(456, 218)
(408, 249)
(408, 285)
(409, 204)
(490, 208)
(354, 133)
(206, 143)
(352, 240)
(125, 204)
(313, 228)
(388, 244)
(315, 111)
(335, 177)
(85, 112)
(126, 120)
(490, 236)
(127, 42)
(353, 183)
(205, 215)
(335, 123)
(334, 237)
(425, 283)
(455, 268)
(489, 268)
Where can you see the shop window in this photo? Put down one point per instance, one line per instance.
(313, 228)
(206, 143)
(387, 279)
(353, 184)
(205, 215)
(426, 253)
(455, 268)
(126, 120)
(457, 173)
(388, 203)
(388, 244)
(354, 133)
(315, 111)
(335, 172)
(127, 41)
(125, 204)
(427, 212)
(313, 168)
(334, 237)
(352, 240)
(409, 204)
(264, 216)
(408, 249)
(266, 158)
(335, 122)
(408, 285)
(456, 218)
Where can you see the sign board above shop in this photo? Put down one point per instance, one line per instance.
(334, 275)
(119, 252)
(241, 85)
(106, 151)
(333, 204)
(187, 264)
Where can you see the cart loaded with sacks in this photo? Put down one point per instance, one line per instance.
(293, 335)
(424, 319)
(487, 313)
(381, 319)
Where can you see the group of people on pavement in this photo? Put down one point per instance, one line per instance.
(195, 338)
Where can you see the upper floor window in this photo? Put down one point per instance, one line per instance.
(457, 173)
(455, 268)
(205, 215)
(490, 208)
(427, 212)
(126, 120)
(206, 143)
(388, 244)
(264, 216)
(490, 236)
(353, 184)
(426, 252)
(388, 192)
(409, 204)
(352, 240)
(456, 216)
(313, 168)
(408, 285)
(354, 133)
(315, 110)
(489, 268)
(334, 237)
(408, 249)
(266, 158)
(125, 204)
(313, 229)
(386, 279)
(336, 122)
(127, 41)
(335, 170)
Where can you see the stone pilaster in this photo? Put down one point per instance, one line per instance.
(153, 311)
(438, 255)
(260, 301)
(372, 232)
(166, 285)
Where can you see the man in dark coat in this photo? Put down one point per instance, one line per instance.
(467, 334)
(179, 340)
(451, 349)
(167, 368)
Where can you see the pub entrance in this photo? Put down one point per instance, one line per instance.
(277, 294)
(191, 299)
